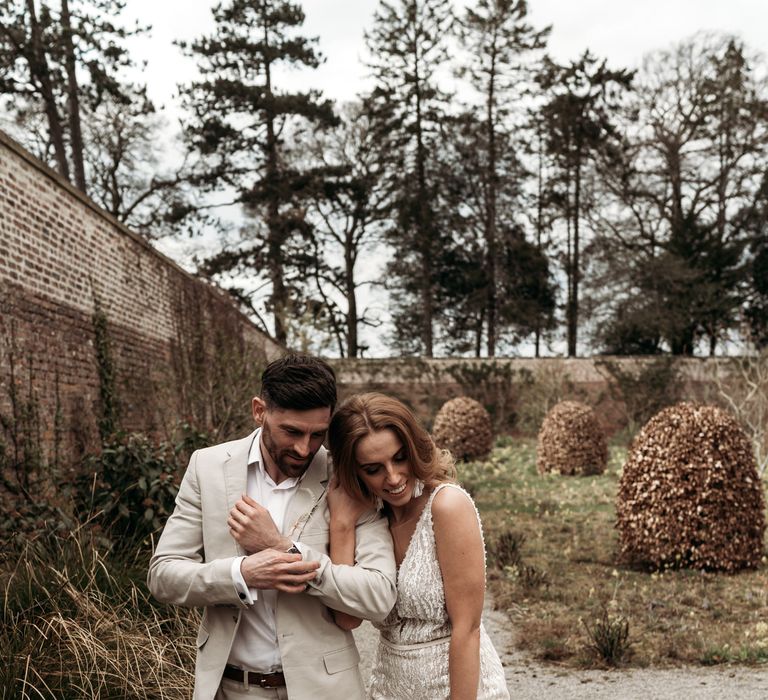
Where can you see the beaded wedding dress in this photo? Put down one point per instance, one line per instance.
(412, 656)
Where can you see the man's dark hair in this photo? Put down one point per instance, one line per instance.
(299, 383)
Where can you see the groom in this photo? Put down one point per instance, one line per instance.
(266, 631)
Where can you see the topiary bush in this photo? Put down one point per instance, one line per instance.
(690, 495)
(463, 427)
(571, 441)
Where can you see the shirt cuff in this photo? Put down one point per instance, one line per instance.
(248, 596)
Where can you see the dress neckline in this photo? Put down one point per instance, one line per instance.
(427, 504)
(427, 508)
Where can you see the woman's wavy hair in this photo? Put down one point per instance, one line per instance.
(363, 414)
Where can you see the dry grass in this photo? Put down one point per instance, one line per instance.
(569, 538)
(77, 625)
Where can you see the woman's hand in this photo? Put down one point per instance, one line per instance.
(344, 509)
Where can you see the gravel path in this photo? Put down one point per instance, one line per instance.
(529, 680)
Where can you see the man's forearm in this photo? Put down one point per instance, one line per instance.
(192, 584)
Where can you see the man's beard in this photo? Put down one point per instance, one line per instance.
(290, 468)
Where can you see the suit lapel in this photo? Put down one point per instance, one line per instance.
(307, 496)
(236, 469)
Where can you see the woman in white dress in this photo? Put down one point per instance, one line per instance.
(433, 643)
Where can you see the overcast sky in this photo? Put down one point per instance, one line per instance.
(620, 30)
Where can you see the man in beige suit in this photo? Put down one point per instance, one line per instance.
(248, 542)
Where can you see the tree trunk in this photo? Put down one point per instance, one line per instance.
(479, 334)
(424, 230)
(38, 64)
(349, 282)
(539, 208)
(573, 320)
(568, 257)
(73, 100)
(490, 214)
(275, 232)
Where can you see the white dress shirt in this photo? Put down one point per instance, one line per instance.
(255, 646)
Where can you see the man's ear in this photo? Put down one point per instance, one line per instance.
(258, 408)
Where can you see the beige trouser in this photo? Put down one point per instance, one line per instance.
(235, 690)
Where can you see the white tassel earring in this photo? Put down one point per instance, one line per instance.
(418, 488)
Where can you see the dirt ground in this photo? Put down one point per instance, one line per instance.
(528, 679)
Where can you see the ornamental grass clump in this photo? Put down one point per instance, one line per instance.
(689, 495)
(463, 427)
(571, 441)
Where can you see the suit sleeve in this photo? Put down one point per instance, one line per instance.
(367, 589)
(178, 573)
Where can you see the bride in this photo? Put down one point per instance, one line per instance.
(433, 643)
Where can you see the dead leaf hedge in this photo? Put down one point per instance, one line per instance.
(571, 441)
(690, 495)
(463, 427)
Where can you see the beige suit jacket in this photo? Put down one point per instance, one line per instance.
(191, 567)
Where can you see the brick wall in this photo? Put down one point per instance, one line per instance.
(176, 344)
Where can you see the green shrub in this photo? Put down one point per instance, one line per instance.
(128, 491)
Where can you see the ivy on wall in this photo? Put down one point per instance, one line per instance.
(109, 409)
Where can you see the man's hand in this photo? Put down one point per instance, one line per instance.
(278, 570)
(253, 528)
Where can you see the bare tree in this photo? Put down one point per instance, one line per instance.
(348, 213)
(674, 221)
(742, 385)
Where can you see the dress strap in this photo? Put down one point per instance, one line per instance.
(441, 486)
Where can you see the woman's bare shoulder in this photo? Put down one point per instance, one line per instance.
(453, 506)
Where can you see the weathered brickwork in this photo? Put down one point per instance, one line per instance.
(172, 338)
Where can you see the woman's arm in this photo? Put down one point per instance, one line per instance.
(344, 512)
(462, 562)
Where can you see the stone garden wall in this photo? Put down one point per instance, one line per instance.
(519, 391)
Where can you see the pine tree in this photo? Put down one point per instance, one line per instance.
(408, 45)
(524, 294)
(238, 126)
(578, 126)
(498, 42)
